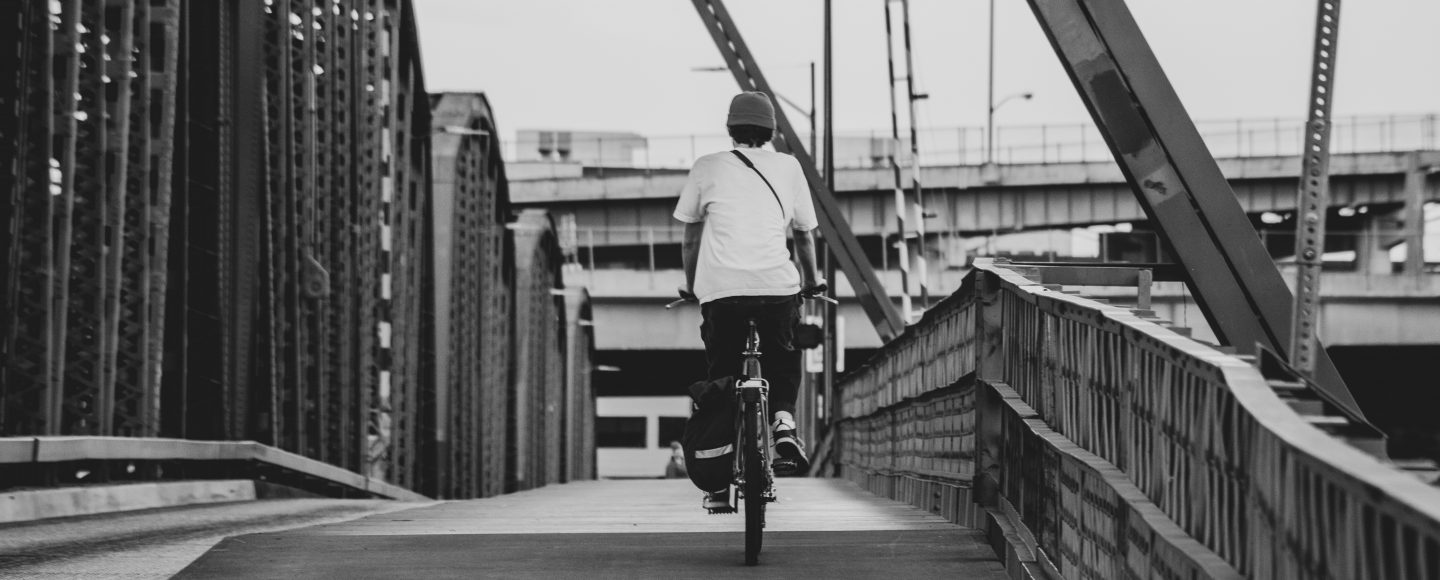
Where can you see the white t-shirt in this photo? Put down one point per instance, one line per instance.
(742, 252)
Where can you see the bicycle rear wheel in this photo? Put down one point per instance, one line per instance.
(754, 483)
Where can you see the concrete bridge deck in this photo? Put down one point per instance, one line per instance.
(819, 528)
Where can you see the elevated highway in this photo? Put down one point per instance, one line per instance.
(978, 200)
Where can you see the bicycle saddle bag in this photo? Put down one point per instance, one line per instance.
(709, 438)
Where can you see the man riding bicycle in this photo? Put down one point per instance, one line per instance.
(737, 207)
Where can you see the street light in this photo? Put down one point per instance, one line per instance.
(809, 114)
(990, 119)
(990, 123)
(454, 130)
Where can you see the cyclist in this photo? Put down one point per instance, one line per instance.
(737, 206)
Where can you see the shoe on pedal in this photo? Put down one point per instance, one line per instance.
(718, 502)
(792, 461)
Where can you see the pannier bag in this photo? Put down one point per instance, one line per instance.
(709, 438)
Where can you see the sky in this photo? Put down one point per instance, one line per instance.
(626, 65)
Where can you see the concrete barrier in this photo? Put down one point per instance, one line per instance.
(39, 504)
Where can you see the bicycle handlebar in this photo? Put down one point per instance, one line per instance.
(824, 298)
(805, 295)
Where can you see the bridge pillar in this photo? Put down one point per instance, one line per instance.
(1405, 225)
(1414, 215)
(1372, 249)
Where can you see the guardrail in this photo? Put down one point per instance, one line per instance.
(37, 461)
(655, 248)
(1014, 144)
(1102, 444)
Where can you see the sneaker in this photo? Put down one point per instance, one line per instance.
(791, 449)
(718, 502)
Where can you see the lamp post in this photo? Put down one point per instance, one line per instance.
(990, 88)
(455, 130)
(990, 123)
(990, 118)
(809, 113)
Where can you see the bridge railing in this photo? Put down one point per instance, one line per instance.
(1102, 444)
(1014, 144)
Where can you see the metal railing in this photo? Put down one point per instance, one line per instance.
(1015, 144)
(1105, 445)
(954, 251)
(40, 461)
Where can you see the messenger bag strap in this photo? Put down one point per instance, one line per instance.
(746, 161)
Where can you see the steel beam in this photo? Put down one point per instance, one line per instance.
(1176, 179)
(118, 63)
(134, 399)
(838, 237)
(28, 390)
(76, 310)
(370, 181)
(13, 17)
(244, 276)
(1313, 199)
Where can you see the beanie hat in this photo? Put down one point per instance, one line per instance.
(752, 108)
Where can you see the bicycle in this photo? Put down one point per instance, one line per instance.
(754, 476)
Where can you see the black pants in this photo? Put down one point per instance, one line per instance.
(724, 328)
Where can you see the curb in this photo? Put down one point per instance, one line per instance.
(40, 504)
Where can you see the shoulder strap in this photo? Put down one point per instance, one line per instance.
(746, 161)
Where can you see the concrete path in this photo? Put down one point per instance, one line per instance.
(618, 529)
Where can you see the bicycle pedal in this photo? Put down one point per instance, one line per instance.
(719, 511)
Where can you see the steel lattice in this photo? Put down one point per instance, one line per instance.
(221, 223)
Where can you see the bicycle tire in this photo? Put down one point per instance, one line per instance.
(754, 484)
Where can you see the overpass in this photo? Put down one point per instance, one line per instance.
(331, 294)
(978, 200)
(1377, 199)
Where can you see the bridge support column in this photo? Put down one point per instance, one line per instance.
(1414, 215)
(1405, 225)
(1372, 250)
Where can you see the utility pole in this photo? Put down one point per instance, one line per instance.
(832, 396)
(901, 244)
(813, 133)
(921, 271)
(990, 99)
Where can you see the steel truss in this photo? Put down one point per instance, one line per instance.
(322, 283)
(1176, 180)
(91, 89)
(1158, 148)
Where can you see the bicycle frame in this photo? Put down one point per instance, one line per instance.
(748, 393)
(754, 477)
(752, 391)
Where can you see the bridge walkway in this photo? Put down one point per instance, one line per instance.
(819, 528)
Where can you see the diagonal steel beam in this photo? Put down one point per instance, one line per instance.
(1176, 179)
(833, 226)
